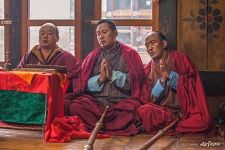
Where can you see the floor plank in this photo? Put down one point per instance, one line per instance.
(12, 139)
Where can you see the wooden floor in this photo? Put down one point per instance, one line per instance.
(12, 139)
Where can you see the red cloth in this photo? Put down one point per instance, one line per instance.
(66, 128)
(121, 117)
(57, 127)
(191, 96)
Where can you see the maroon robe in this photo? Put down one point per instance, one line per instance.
(191, 97)
(121, 118)
(57, 57)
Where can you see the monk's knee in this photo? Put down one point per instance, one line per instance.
(144, 110)
(73, 107)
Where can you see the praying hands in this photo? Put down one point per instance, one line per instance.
(105, 71)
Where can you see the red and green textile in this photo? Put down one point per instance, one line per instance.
(27, 91)
(22, 107)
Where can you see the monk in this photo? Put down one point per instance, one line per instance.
(49, 53)
(112, 76)
(175, 87)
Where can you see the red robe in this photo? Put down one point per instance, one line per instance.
(121, 118)
(57, 57)
(191, 97)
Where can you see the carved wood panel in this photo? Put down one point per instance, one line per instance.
(201, 32)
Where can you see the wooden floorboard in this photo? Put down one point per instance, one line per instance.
(14, 139)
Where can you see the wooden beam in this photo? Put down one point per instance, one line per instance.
(60, 22)
(78, 29)
(155, 17)
(168, 21)
(15, 31)
(127, 22)
(88, 31)
(24, 34)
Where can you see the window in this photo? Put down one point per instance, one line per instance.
(61, 13)
(2, 9)
(4, 31)
(2, 53)
(134, 19)
(51, 9)
(121, 5)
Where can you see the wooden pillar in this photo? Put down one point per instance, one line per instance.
(87, 40)
(168, 21)
(15, 31)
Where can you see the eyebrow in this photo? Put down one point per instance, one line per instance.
(150, 41)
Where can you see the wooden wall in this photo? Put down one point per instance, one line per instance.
(201, 32)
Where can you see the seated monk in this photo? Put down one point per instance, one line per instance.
(111, 75)
(49, 53)
(175, 88)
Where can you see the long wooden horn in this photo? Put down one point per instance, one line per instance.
(98, 126)
(161, 133)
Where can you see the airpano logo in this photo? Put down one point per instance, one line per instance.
(211, 144)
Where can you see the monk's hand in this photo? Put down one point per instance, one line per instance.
(155, 1)
(164, 71)
(108, 70)
(103, 76)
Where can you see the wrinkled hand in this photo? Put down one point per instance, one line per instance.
(108, 69)
(155, 1)
(164, 68)
(103, 76)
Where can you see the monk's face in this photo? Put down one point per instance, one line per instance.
(154, 46)
(106, 36)
(48, 37)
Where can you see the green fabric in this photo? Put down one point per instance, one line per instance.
(22, 107)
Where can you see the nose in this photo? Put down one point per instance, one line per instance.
(45, 35)
(100, 36)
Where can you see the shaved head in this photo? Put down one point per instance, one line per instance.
(158, 34)
(51, 25)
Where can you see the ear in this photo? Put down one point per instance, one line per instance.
(57, 38)
(164, 43)
(115, 33)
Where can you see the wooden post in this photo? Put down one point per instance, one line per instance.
(98, 126)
